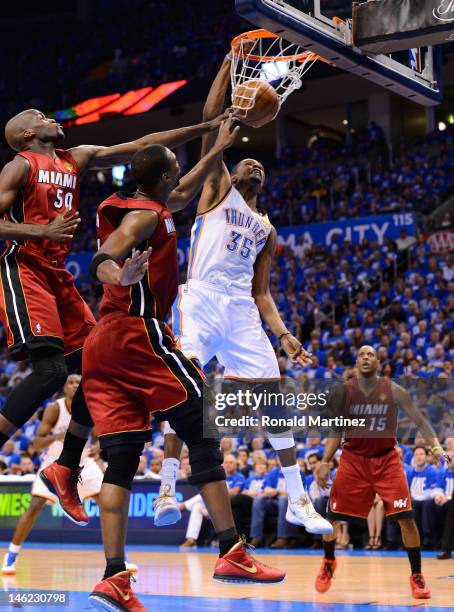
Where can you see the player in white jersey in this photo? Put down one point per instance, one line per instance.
(49, 438)
(219, 310)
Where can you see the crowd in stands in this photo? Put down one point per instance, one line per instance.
(331, 181)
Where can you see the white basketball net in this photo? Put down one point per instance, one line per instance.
(280, 63)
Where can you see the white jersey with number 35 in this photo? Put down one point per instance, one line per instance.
(225, 243)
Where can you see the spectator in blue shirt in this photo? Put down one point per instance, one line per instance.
(435, 509)
(422, 480)
(8, 455)
(242, 501)
(273, 502)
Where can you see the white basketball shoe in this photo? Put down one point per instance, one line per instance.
(166, 511)
(302, 512)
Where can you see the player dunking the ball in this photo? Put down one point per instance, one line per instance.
(42, 312)
(370, 464)
(132, 367)
(219, 310)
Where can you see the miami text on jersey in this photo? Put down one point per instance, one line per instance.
(57, 178)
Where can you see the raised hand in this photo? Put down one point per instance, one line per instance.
(227, 133)
(62, 227)
(217, 121)
(134, 268)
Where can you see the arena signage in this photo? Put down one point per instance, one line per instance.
(52, 525)
(374, 229)
(442, 241)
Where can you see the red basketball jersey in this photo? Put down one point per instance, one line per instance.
(379, 411)
(153, 296)
(52, 186)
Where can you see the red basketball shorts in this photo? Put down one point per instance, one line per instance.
(359, 478)
(39, 303)
(131, 368)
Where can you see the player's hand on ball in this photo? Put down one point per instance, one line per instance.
(323, 475)
(134, 268)
(227, 133)
(295, 351)
(217, 121)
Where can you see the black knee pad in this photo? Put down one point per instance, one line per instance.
(123, 462)
(74, 361)
(79, 412)
(206, 460)
(50, 369)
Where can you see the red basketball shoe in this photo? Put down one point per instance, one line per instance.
(115, 593)
(418, 587)
(325, 575)
(62, 482)
(239, 566)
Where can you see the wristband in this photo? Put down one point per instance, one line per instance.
(324, 462)
(284, 334)
(229, 56)
(98, 259)
(437, 448)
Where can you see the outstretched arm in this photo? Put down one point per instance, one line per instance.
(13, 178)
(136, 227)
(404, 401)
(218, 181)
(96, 157)
(192, 183)
(267, 307)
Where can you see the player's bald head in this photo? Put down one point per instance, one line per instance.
(29, 126)
(367, 361)
(18, 125)
(366, 349)
(155, 166)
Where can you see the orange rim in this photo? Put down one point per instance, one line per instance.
(257, 34)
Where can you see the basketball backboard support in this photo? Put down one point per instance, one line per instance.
(312, 24)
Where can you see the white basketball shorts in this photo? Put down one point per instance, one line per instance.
(208, 321)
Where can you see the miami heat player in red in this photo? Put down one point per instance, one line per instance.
(132, 367)
(370, 464)
(43, 314)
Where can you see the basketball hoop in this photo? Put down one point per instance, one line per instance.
(260, 55)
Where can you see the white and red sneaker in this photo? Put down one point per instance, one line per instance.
(239, 566)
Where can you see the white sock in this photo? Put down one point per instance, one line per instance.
(294, 482)
(169, 472)
(14, 548)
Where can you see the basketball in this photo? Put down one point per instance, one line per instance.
(257, 102)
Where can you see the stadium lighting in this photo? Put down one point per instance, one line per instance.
(245, 138)
(451, 119)
(442, 126)
(345, 122)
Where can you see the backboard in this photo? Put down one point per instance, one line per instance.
(325, 27)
